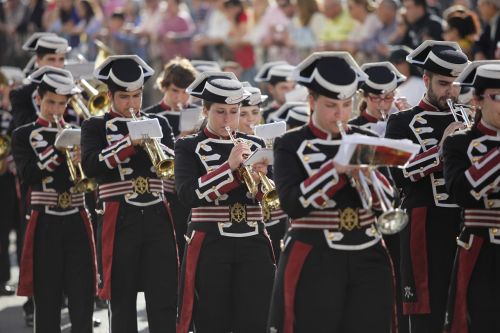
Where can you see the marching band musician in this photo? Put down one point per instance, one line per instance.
(276, 76)
(59, 251)
(50, 50)
(228, 266)
(378, 95)
(275, 220)
(136, 235)
(178, 74)
(472, 176)
(428, 243)
(334, 266)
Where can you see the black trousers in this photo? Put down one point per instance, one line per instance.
(336, 291)
(483, 295)
(9, 220)
(276, 234)
(144, 258)
(442, 228)
(234, 279)
(62, 263)
(180, 214)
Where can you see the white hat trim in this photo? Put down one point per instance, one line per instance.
(344, 91)
(456, 69)
(384, 87)
(64, 86)
(60, 45)
(130, 86)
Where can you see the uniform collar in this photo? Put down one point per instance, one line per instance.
(319, 132)
(209, 133)
(487, 129)
(426, 105)
(45, 123)
(164, 106)
(368, 117)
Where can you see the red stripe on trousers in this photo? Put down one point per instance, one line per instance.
(25, 287)
(192, 255)
(466, 262)
(418, 253)
(108, 240)
(298, 255)
(90, 237)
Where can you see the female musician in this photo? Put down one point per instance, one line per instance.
(378, 95)
(472, 175)
(228, 267)
(334, 274)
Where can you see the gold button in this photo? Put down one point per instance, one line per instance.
(424, 142)
(439, 197)
(306, 158)
(421, 169)
(419, 118)
(324, 204)
(418, 130)
(309, 145)
(213, 188)
(330, 236)
(113, 151)
(466, 246)
(436, 163)
(203, 158)
(128, 195)
(109, 137)
(282, 245)
(475, 159)
(320, 191)
(490, 203)
(494, 231)
(475, 143)
(210, 169)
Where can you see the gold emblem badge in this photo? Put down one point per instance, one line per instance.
(266, 214)
(141, 185)
(349, 219)
(238, 213)
(64, 200)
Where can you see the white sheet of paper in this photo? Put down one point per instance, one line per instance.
(350, 142)
(270, 131)
(190, 119)
(68, 138)
(149, 128)
(258, 155)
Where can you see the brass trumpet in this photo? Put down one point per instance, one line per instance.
(244, 170)
(96, 105)
(457, 108)
(392, 220)
(163, 164)
(76, 174)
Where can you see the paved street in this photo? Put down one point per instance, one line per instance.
(12, 319)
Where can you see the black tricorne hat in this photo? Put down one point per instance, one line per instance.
(332, 74)
(123, 72)
(443, 58)
(480, 75)
(255, 98)
(56, 80)
(275, 72)
(383, 77)
(218, 87)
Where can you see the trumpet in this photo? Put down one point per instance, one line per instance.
(392, 220)
(457, 108)
(96, 105)
(164, 165)
(244, 170)
(76, 174)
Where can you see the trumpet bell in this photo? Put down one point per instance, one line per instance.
(165, 169)
(85, 185)
(5, 146)
(393, 221)
(271, 201)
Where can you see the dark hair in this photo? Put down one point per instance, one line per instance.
(420, 3)
(178, 71)
(41, 91)
(207, 104)
(119, 15)
(363, 104)
(464, 22)
(314, 94)
(428, 73)
(89, 11)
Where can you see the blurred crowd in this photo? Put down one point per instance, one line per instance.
(247, 33)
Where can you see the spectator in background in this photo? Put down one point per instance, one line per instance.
(410, 92)
(487, 44)
(461, 26)
(307, 26)
(421, 24)
(175, 32)
(62, 20)
(88, 27)
(119, 38)
(337, 26)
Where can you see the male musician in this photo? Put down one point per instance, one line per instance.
(472, 174)
(137, 243)
(178, 74)
(276, 75)
(334, 273)
(378, 95)
(428, 243)
(50, 50)
(59, 253)
(295, 114)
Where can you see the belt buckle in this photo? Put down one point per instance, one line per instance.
(238, 213)
(140, 185)
(349, 219)
(64, 200)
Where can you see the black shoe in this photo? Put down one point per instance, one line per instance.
(28, 318)
(6, 290)
(97, 322)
